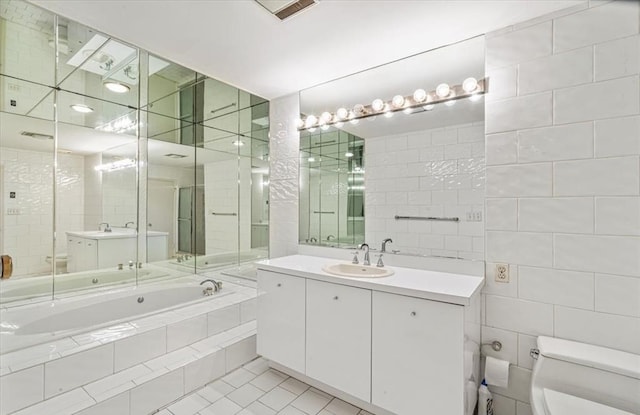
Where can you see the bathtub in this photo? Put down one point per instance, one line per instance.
(25, 288)
(38, 323)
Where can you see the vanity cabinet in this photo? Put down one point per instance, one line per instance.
(281, 320)
(82, 254)
(416, 355)
(338, 341)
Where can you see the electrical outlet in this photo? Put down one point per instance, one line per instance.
(502, 273)
(13, 211)
(474, 216)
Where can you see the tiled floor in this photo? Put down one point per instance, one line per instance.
(255, 389)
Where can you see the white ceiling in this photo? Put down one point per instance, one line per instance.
(241, 43)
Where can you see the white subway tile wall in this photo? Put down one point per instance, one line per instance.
(437, 172)
(563, 186)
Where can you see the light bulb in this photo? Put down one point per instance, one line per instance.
(443, 90)
(475, 97)
(469, 84)
(348, 154)
(325, 127)
(450, 103)
(81, 108)
(397, 101)
(419, 95)
(299, 122)
(116, 87)
(377, 105)
(326, 116)
(429, 107)
(342, 113)
(311, 159)
(311, 120)
(358, 109)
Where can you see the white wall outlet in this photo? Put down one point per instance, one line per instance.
(474, 216)
(13, 211)
(502, 273)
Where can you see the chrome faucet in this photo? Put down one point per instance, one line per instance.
(380, 263)
(106, 228)
(126, 225)
(217, 286)
(365, 248)
(384, 244)
(313, 240)
(330, 237)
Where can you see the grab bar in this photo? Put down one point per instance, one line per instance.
(427, 218)
(224, 214)
(324, 212)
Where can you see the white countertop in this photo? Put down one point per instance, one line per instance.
(430, 285)
(118, 234)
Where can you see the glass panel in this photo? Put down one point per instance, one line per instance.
(26, 204)
(27, 37)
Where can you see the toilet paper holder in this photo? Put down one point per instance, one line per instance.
(495, 345)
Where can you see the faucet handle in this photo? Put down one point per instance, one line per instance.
(380, 263)
(355, 257)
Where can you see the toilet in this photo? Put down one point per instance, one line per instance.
(572, 378)
(61, 262)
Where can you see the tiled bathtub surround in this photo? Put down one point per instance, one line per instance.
(142, 364)
(437, 172)
(563, 185)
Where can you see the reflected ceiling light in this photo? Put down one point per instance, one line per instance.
(397, 101)
(311, 159)
(420, 99)
(420, 95)
(116, 165)
(443, 90)
(377, 105)
(348, 154)
(470, 84)
(81, 108)
(238, 143)
(116, 87)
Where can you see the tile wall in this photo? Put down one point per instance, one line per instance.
(437, 172)
(563, 185)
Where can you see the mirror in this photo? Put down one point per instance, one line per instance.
(424, 178)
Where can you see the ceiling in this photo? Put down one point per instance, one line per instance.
(241, 43)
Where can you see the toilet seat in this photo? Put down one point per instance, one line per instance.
(558, 403)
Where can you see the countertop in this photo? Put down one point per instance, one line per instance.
(117, 234)
(430, 285)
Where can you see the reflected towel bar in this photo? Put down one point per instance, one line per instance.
(324, 211)
(427, 218)
(224, 214)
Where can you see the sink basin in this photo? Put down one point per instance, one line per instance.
(357, 270)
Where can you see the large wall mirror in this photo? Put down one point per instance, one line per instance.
(118, 167)
(422, 169)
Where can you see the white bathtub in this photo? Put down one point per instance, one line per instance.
(25, 288)
(34, 324)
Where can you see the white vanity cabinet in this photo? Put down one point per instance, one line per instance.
(338, 350)
(417, 349)
(82, 254)
(281, 320)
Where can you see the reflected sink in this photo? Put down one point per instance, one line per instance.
(357, 270)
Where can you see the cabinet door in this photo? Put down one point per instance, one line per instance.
(417, 355)
(281, 311)
(339, 337)
(90, 254)
(73, 254)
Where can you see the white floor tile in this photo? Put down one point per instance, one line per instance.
(278, 398)
(294, 386)
(189, 405)
(239, 377)
(269, 380)
(257, 408)
(222, 406)
(257, 366)
(340, 407)
(290, 410)
(311, 402)
(245, 395)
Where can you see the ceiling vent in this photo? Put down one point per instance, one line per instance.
(283, 9)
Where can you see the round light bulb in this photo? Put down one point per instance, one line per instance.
(419, 95)
(397, 101)
(358, 109)
(429, 107)
(377, 105)
(348, 154)
(443, 90)
(311, 120)
(326, 116)
(116, 87)
(470, 84)
(450, 103)
(342, 113)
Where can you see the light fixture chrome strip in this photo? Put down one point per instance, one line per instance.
(420, 99)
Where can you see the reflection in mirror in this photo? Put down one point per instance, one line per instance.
(424, 179)
(331, 188)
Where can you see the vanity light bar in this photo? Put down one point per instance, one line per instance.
(444, 93)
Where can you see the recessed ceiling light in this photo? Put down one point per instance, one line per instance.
(81, 108)
(116, 87)
(238, 143)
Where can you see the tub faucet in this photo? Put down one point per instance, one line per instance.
(217, 286)
(365, 248)
(126, 225)
(106, 228)
(330, 237)
(384, 244)
(313, 240)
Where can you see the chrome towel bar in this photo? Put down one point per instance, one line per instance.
(427, 218)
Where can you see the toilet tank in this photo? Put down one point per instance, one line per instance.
(599, 374)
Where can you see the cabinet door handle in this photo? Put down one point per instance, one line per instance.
(279, 285)
(335, 298)
(413, 314)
